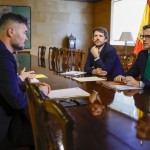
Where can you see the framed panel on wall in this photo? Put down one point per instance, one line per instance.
(22, 10)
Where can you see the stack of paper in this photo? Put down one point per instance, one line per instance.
(68, 93)
(73, 73)
(124, 87)
(118, 86)
(86, 79)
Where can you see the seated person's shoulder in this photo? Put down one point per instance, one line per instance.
(142, 54)
(110, 48)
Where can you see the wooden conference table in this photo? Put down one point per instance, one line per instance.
(114, 128)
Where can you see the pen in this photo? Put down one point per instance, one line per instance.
(122, 79)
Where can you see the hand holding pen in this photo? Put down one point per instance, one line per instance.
(129, 80)
(119, 78)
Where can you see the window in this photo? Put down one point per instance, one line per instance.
(126, 16)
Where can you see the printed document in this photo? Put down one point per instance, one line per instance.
(72, 73)
(124, 87)
(68, 93)
(86, 79)
(118, 86)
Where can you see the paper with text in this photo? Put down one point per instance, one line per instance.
(125, 87)
(73, 73)
(118, 86)
(68, 93)
(86, 79)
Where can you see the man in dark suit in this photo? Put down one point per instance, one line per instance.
(13, 98)
(141, 66)
(102, 58)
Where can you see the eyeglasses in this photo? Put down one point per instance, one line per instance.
(145, 36)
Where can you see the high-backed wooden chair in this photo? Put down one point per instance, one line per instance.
(78, 57)
(65, 59)
(52, 125)
(131, 57)
(59, 59)
(127, 60)
(72, 59)
(54, 58)
(59, 125)
(41, 56)
(41, 51)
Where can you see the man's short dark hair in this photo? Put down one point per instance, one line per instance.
(146, 26)
(13, 17)
(102, 30)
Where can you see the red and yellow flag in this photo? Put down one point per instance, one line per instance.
(145, 20)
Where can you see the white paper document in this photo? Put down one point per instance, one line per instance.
(86, 79)
(124, 87)
(73, 73)
(34, 80)
(68, 93)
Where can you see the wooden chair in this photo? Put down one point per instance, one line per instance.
(54, 59)
(52, 125)
(59, 59)
(131, 59)
(41, 51)
(41, 62)
(127, 60)
(59, 125)
(72, 59)
(78, 57)
(41, 56)
(63, 59)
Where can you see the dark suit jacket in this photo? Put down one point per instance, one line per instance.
(139, 67)
(13, 99)
(108, 61)
(11, 95)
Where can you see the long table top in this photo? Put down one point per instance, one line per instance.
(114, 126)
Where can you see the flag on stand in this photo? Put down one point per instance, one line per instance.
(145, 20)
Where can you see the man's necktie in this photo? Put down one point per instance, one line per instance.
(147, 69)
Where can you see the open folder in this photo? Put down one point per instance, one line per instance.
(68, 93)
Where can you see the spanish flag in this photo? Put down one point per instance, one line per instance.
(145, 20)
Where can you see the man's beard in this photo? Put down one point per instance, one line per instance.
(16, 47)
(99, 45)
